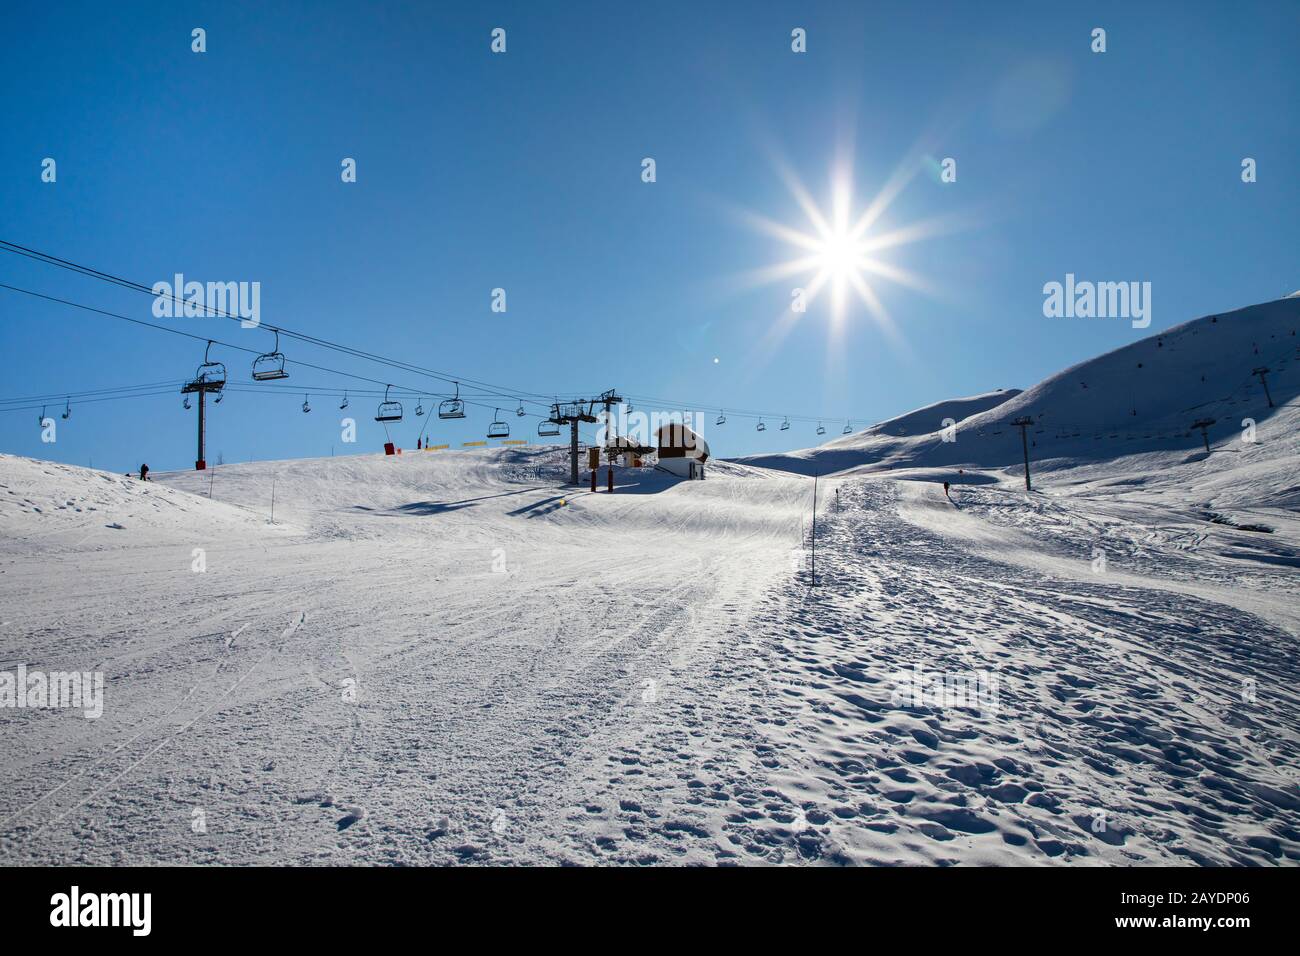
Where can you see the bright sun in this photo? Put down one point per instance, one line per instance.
(839, 248)
(840, 255)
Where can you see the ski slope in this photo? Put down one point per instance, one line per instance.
(450, 657)
(1137, 400)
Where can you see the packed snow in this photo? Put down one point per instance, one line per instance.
(451, 657)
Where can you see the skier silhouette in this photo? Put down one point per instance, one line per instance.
(144, 472)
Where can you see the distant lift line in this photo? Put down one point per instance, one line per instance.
(272, 365)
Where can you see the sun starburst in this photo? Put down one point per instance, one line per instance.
(839, 252)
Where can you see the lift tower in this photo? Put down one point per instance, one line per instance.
(579, 410)
(211, 377)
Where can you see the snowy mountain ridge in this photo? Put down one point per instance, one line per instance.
(1141, 398)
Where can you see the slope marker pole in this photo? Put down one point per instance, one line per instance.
(813, 582)
(1023, 422)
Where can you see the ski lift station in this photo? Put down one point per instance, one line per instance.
(681, 451)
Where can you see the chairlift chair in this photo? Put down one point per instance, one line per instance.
(388, 411)
(785, 425)
(761, 426)
(722, 418)
(520, 410)
(212, 374)
(67, 409)
(821, 429)
(547, 428)
(270, 366)
(848, 427)
(186, 403)
(42, 419)
(345, 400)
(452, 407)
(498, 428)
(306, 406)
(220, 396)
(419, 407)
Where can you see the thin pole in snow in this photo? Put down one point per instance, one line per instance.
(1023, 422)
(273, 499)
(813, 582)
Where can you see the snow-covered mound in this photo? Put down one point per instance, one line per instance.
(852, 450)
(358, 496)
(45, 505)
(922, 419)
(1141, 399)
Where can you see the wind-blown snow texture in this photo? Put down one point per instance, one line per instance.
(447, 657)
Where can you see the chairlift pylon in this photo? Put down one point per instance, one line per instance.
(498, 428)
(388, 411)
(270, 366)
(452, 407)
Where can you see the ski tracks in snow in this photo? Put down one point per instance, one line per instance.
(1127, 726)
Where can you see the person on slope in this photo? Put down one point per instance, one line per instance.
(144, 472)
(945, 491)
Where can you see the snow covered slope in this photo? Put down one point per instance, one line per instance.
(922, 420)
(1139, 399)
(448, 657)
(45, 505)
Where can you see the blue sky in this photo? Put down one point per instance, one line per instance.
(522, 171)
